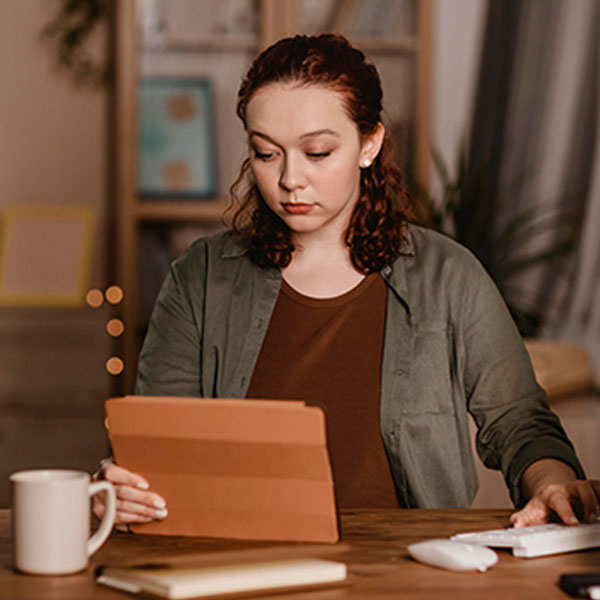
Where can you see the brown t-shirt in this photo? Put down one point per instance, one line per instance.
(328, 352)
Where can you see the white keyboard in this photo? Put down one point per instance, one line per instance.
(538, 540)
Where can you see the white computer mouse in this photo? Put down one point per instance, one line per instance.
(453, 555)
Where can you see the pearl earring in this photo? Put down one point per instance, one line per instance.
(366, 163)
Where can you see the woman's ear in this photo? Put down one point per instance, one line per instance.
(371, 146)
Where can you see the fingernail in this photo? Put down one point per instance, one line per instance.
(161, 514)
(159, 503)
(573, 520)
(142, 485)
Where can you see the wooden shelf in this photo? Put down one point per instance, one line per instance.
(180, 210)
(409, 45)
(190, 54)
(224, 43)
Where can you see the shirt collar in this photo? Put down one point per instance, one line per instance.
(408, 245)
(395, 274)
(234, 246)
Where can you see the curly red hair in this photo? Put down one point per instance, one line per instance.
(374, 235)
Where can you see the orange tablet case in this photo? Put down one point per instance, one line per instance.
(247, 469)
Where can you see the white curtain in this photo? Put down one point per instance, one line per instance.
(547, 127)
(457, 32)
(574, 111)
(582, 319)
(544, 133)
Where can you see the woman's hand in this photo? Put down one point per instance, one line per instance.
(135, 504)
(553, 489)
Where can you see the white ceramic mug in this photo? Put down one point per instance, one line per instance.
(51, 516)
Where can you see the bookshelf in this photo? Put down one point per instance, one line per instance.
(217, 40)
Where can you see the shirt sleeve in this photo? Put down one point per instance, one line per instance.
(170, 360)
(515, 424)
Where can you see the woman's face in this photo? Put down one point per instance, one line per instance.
(306, 155)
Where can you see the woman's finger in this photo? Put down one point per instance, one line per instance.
(98, 506)
(583, 492)
(132, 508)
(128, 512)
(558, 498)
(535, 512)
(595, 486)
(118, 475)
(135, 504)
(150, 499)
(125, 518)
(133, 487)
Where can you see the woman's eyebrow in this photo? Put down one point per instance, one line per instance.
(310, 134)
(263, 136)
(319, 132)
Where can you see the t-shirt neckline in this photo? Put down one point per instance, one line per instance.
(362, 286)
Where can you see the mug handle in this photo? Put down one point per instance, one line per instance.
(110, 509)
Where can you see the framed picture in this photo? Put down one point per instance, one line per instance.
(45, 255)
(177, 153)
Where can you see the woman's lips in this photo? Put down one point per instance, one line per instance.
(297, 208)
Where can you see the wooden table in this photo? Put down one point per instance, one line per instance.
(373, 546)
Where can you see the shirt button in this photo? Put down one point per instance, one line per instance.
(386, 270)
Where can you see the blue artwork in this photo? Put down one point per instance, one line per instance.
(176, 138)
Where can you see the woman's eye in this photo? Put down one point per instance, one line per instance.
(318, 155)
(263, 155)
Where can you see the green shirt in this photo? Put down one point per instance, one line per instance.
(450, 348)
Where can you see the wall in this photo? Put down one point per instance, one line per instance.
(457, 32)
(53, 150)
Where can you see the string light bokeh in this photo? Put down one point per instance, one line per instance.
(115, 327)
(113, 294)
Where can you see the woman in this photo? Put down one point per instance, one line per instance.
(322, 291)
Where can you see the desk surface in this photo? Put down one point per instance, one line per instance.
(373, 546)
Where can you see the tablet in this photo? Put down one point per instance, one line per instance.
(246, 469)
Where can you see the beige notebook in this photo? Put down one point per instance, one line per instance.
(247, 469)
(210, 581)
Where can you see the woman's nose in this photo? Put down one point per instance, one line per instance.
(292, 176)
